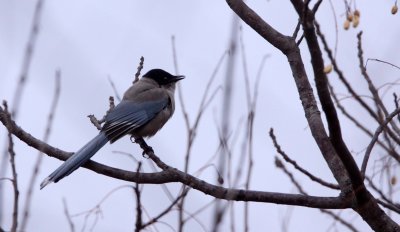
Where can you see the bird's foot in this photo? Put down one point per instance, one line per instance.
(146, 148)
(146, 151)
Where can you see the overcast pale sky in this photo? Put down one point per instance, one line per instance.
(90, 41)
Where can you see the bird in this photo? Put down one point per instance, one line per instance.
(144, 109)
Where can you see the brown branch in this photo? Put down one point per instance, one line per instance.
(383, 196)
(226, 106)
(166, 210)
(381, 61)
(288, 46)
(375, 138)
(335, 134)
(281, 166)
(68, 216)
(371, 86)
(356, 122)
(170, 174)
(114, 89)
(296, 166)
(39, 158)
(389, 206)
(139, 69)
(334, 152)
(11, 152)
(341, 76)
(181, 204)
(96, 122)
(139, 221)
(14, 225)
(19, 91)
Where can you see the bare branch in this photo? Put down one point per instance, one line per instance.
(381, 61)
(19, 91)
(139, 222)
(375, 138)
(281, 166)
(341, 76)
(296, 166)
(68, 216)
(39, 158)
(11, 151)
(97, 123)
(371, 86)
(139, 69)
(166, 210)
(170, 174)
(114, 89)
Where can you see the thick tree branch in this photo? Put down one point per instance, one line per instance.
(321, 82)
(288, 46)
(333, 149)
(265, 30)
(170, 174)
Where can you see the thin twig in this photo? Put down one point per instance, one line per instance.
(382, 195)
(36, 167)
(336, 29)
(341, 76)
(375, 138)
(389, 206)
(296, 166)
(226, 113)
(396, 104)
(181, 204)
(96, 210)
(356, 122)
(281, 166)
(166, 210)
(297, 29)
(249, 130)
(371, 86)
(114, 89)
(11, 151)
(381, 61)
(96, 122)
(139, 221)
(139, 69)
(68, 216)
(19, 91)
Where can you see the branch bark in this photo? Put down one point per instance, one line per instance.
(333, 148)
(170, 174)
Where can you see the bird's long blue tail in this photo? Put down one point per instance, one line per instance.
(76, 160)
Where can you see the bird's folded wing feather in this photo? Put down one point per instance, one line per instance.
(130, 115)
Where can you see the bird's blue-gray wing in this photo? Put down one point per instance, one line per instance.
(128, 116)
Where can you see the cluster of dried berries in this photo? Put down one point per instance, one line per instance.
(352, 17)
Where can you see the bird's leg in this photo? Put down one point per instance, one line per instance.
(146, 148)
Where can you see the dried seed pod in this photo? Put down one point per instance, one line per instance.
(356, 21)
(328, 68)
(393, 180)
(357, 13)
(346, 24)
(349, 16)
(394, 9)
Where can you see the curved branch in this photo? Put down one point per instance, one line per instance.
(287, 45)
(375, 139)
(170, 174)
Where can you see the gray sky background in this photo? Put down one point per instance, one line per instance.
(91, 40)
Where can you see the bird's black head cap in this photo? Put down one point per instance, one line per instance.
(162, 77)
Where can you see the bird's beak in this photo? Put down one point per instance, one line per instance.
(178, 78)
